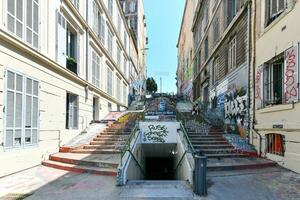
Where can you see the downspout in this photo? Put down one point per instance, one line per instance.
(253, 50)
(250, 43)
(87, 43)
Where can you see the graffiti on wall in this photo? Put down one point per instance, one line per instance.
(258, 86)
(236, 107)
(156, 133)
(291, 75)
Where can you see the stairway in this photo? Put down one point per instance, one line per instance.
(222, 155)
(172, 190)
(100, 156)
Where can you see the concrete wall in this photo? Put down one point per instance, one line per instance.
(271, 41)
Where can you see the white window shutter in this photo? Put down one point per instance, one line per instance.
(291, 67)
(61, 39)
(78, 53)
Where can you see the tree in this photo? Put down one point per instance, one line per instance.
(151, 85)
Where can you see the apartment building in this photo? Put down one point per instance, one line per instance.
(135, 16)
(221, 31)
(275, 82)
(185, 51)
(63, 64)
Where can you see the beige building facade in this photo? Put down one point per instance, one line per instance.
(63, 64)
(275, 82)
(185, 51)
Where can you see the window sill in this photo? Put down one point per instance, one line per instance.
(277, 108)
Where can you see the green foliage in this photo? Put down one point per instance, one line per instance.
(151, 85)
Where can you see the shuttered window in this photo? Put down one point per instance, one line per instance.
(124, 94)
(232, 54)
(96, 69)
(21, 110)
(118, 86)
(23, 20)
(119, 56)
(102, 29)
(109, 81)
(109, 41)
(273, 8)
(72, 111)
(110, 7)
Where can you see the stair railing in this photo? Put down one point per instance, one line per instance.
(189, 146)
(134, 135)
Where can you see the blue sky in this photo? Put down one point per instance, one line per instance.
(163, 25)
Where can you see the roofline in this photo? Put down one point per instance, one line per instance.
(181, 26)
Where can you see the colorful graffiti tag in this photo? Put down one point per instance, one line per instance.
(291, 75)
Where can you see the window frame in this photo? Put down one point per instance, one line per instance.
(232, 46)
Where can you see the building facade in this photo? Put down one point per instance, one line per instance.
(221, 31)
(135, 16)
(185, 51)
(63, 64)
(275, 82)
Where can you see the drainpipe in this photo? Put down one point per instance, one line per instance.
(87, 43)
(253, 50)
(250, 56)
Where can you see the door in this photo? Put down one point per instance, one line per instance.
(72, 111)
(21, 111)
(61, 39)
(96, 109)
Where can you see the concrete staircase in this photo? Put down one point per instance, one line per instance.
(222, 155)
(100, 156)
(172, 190)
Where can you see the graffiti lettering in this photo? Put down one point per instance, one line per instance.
(258, 78)
(156, 133)
(290, 76)
(236, 109)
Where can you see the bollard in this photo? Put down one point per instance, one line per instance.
(200, 182)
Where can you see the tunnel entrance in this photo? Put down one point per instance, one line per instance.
(159, 168)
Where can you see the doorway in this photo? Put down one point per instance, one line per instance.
(95, 109)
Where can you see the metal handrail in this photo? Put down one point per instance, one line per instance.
(128, 142)
(187, 138)
(190, 147)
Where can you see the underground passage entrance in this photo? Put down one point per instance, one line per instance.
(159, 161)
(159, 168)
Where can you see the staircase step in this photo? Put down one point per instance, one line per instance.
(110, 139)
(106, 142)
(218, 151)
(112, 136)
(225, 155)
(210, 142)
(80, 168)
(103, 147)
(98, 151)
(90, 160)
(212, 146)
(240, 166)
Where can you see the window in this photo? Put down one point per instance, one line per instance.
(232, 10)
(125, 40)
(232, 54)
(215, 70)
(124, 93)
(23, 20)
(21, 110)
(95, 69)
(273, 83)
(273, 9)
(275, 144)
(119, 24)
(199, 62)
(206, 49)
(72, 111)
(110, 7)
(76, 3)
(119, 56)
(118, 86)
(109, 41)
(216, 28)
(125, 66)
(98, 23)
(109, 81)
(132, 7)
(72, 50)
(109, 106)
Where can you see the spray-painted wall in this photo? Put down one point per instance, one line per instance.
(231, 98)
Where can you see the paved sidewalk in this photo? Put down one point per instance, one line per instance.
(52, 184)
